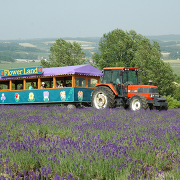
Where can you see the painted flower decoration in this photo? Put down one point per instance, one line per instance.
(46, 96)
(80, 95)
(31, 97)
(17, 97)
(63, 95)
(39, 70)
(3, 98)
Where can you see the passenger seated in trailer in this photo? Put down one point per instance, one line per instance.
(61, 85)
(32, 86)
(57, 85)
(21, 87)
(43, 85)
(69, 85)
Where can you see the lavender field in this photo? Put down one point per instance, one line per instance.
(57, 143)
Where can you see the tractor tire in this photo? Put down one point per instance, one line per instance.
(103, 97)
(138, 102)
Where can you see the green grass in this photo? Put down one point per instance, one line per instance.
(175, 64)
(176, 70)
(19, 65)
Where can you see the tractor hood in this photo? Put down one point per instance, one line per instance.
(142, 88)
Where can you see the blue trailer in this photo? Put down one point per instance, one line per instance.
(70, 85)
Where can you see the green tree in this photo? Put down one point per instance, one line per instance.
(147, 58)
(177, 93)
(64, 53)
(119, 48)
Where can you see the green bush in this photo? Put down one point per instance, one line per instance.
(177, 93)
(172, 102)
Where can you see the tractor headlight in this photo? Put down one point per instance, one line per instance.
(154, 95)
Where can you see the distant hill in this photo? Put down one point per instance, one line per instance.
(171, 37)
(33, 49)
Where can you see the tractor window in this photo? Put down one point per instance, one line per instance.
(107, 76)
(132, 77)
(116, 77)
(125, 79)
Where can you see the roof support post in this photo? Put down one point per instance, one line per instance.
(39, 83)
(73, 80)
(24, 84)
(54, 82)
(10, 85)
(86, 82)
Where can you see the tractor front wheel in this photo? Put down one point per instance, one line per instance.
(103, 97)
(138, 102)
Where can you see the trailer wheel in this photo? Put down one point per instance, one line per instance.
(71, 106)
(138, 102)
(103, 97)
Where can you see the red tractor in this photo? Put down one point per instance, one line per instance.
(120, 87)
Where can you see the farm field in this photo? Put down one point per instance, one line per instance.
(175, 64)
(59, 143)
(19, 65)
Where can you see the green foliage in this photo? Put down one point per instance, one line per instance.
(10, 56)
(11, 51)
(147, 58)
(172, 102)
(15, 47)
(177, 93)
(177, 78)
(119, 48)
(6, 58)
(64, 53)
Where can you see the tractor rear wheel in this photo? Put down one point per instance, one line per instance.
(103, 97)
(138, 102)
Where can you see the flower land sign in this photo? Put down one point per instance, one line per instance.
(21, 71)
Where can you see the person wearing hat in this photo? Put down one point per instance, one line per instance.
(43, 85)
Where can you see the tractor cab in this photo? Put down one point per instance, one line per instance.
(120, 78)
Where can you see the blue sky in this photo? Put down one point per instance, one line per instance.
(28, 19)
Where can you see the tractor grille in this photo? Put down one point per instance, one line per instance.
(147, 90)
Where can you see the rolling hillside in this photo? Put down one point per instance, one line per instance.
(26, 51)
